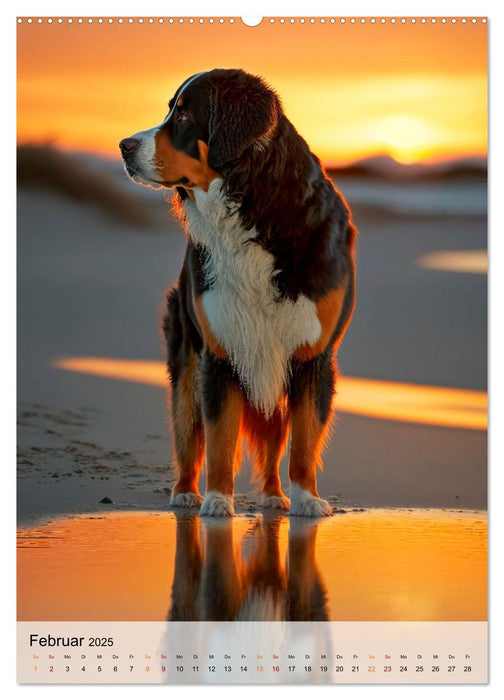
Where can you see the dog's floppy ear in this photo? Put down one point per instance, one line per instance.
(242, 110)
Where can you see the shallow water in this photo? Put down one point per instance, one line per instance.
(374, 565)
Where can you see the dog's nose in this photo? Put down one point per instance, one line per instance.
(128, 145)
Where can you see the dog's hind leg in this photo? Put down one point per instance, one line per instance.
(311, 396)
(185, 406)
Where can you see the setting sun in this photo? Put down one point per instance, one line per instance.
(405, 138)
(343, 86)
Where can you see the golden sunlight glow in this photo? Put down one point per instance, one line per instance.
(139, 371)
(386, 400)
(413, 92)
(373, 565)
(473, 261)
(396, 565)
(405, 138)
(413, 403)
(406, 116)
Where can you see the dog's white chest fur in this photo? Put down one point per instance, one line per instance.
(258, 329)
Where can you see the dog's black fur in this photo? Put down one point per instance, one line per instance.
(295, 213)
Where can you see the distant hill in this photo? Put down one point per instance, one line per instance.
(86, 179)
(472, 169)
(380, 167)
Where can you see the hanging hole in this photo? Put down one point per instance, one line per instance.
(251, 21)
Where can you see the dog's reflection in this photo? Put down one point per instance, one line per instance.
(219, 578)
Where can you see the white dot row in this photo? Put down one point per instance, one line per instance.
(272, 20)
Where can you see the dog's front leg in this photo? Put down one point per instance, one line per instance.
(311, 413)
(222, 415)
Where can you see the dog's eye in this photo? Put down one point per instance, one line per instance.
(182, 116)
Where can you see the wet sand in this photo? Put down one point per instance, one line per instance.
(376, 565)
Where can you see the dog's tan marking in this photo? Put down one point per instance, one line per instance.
(329, 310)
(173, 165)
(308, 438)
(266, 440)
(208, 336)
(222, 438)
(189, 439)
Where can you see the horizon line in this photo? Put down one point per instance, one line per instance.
(328, 164)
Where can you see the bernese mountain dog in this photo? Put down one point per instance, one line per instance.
(265, 294)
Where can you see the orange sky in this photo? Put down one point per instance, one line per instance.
(414, 91)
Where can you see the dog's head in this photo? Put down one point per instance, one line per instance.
(214, 118)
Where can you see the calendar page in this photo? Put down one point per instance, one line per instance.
(252, 303)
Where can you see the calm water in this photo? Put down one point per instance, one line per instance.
(371, 565)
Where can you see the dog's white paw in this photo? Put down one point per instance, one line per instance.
(186, 500)
(217, 504)
(277, 502)
(305, 504)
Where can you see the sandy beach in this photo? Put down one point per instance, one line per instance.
(405, 469)
(90, 286)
